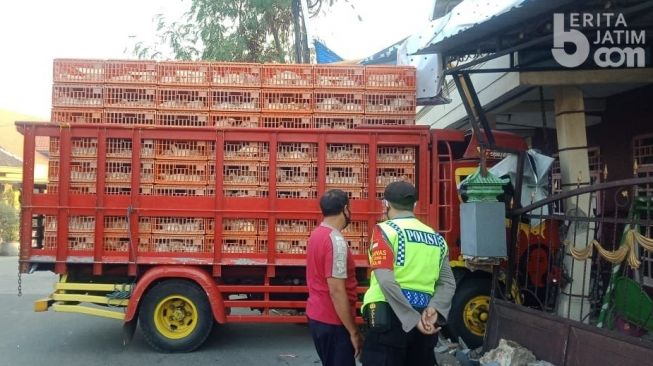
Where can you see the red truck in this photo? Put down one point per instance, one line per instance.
(182, 255)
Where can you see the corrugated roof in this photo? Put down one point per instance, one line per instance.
(8, 159)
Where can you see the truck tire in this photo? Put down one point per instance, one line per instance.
(175, 316)
(470, 309)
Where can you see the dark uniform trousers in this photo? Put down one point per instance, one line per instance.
(394, 347)
(332, 343)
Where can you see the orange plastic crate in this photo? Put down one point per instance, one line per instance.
(147, 148)
(145, 243)
(145, 224)
(82, 188)
(116, 224)
(358, 245)
(78, 71)
(235, 100)
(147, 171)
(81, 241)
(178, 225)
(182, 119)
(291, 244)
(338, 101)
(183, 73)
(234, 120)
(119, 148)
(244, 227)
(77, 95)
(381, 120)
(80, 224)
(346, 153)
(83, 147)
(384, 102)
(130, 72)
(301, 227)
(118, 171)
(297, 151)
(390, 78)
(242, 150)
(388, 173)
(180, 244)
(183, 98)
(287, 100)
(53, 170)
(395, 154)
(129, 96)
(54, 146)
(236, 74)
(287, 76)
(118, 189)
(296, 174)
(180, 172)
(130, 117)
(244, 244)
(83, 170)
(116, 243)
(76, 115)
(50, 241)
(337, 121)
(184, 149)
(341, 77)
(356, 228)
(50, 223)
(346, 175)
(242, 174)
(286, 121)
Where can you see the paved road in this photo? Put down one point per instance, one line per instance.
(29, 338)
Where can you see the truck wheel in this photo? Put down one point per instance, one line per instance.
(175, 316)
(470, 309)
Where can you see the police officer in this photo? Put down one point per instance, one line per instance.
(410, 288)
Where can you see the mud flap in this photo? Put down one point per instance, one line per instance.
(128, 330)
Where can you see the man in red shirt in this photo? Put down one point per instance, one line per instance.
(331, 277)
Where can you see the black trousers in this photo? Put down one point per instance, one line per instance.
(332, 343)
(394, 347)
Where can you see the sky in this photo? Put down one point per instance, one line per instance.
(34, 32)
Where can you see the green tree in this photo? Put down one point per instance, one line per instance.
(8, 222)
(237, 30)
(226, 30)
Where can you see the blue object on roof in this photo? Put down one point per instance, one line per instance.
(324, 55)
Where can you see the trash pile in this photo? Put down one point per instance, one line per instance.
(508, 353)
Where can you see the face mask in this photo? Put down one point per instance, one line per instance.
(386, 206)
(347, 218)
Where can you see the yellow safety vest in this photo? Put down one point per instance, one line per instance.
(418, 255)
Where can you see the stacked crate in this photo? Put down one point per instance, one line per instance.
(296, 170)
(339, 96)
(244, 236)
(394, 163)
(235, 95)
(181, 235)
(246, 170)
(346, 169)
(227, 96)
(390, 95)
(180, 167)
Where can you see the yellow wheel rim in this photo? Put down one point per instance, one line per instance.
(476, 313)
(175, 317)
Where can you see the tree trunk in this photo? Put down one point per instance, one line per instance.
(298, 31)
(306, 51)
